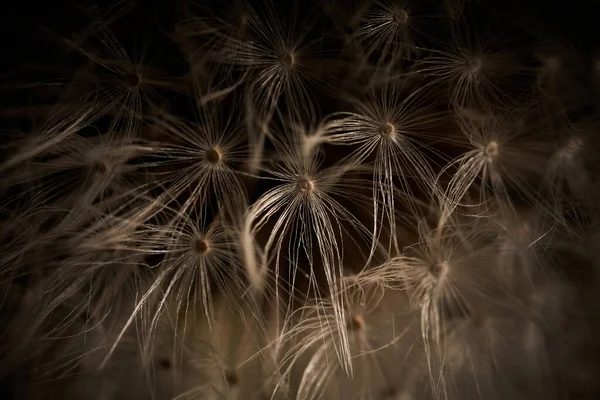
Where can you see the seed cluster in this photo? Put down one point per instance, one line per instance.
(262, 199)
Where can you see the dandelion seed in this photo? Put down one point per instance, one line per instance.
(559, 63)
(388, 130)
(62, 124)
(377, 330)
(288, 60)
(230, 360)
(389, 30)
(205, 236)
(199, 259)
(438, 270)
(232, 377)
(82, 171)
(401, 17)
(203, 158)
(507, 159)
(446, 274)
(476, 71)
(355, 323)
(309, 220)
(282, 63)
(201, 246)
(124, 83)
(213, 156)
(389, 126)
(569, 171)
(477, 347)
(306, 186)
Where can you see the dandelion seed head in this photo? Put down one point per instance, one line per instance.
(438, 269)
(386, 249)
(213, 155)
(400, 17)
(305, 185)
(132, 79)
(491, 150)
(355, 323)
(474, 64)
(232, 377)
(288, 60)
(165, 363)
(387, 130)
(201, 246)
(102, 167)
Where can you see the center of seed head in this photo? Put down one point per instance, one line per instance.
(231, 376)
(437, 269)
(387, 130)
(201, 246)
(491, 150)
(355, 323)
(474, 64)
(401, 17)
(102, 167)
(133, 79)
(288, 59)
(165, 363)
(305, 185)
(213, 156)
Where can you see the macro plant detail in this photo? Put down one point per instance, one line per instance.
(263, 199)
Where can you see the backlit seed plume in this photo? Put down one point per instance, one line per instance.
(372, 314)
(475, 70)
(506, 157)
(446, 274)
(281, 60)
(390, 29)
(306, 219)
(388, 131)
(202, 159)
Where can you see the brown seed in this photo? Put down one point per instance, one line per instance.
(474, 64)
(436, 269)
(387, 130)
(401, 17)
(355, 323)
(213, 156)
(165, 363)
(232, 377)
(133, 79)
(491, 150)
(201, 246)
(102, 167)
(288, 59)
(305, 185)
